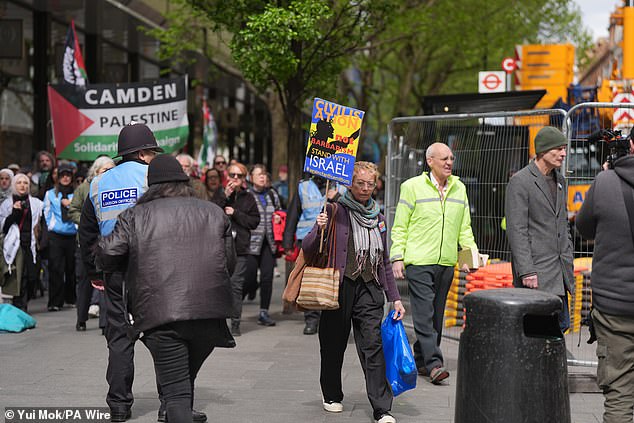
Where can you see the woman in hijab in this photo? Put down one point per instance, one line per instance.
(19, 219)
(61, 236)
(6, 176)
(361, 256)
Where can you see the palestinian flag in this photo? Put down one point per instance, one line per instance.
(86, 122)
(210, 137)
(73, 67)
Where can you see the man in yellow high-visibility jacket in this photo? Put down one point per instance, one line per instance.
(432, 219)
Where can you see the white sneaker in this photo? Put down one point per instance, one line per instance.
(93, 310)
(333, 407)
(386, 418)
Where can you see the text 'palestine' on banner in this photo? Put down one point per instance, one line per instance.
(87, 120)
(333, 141)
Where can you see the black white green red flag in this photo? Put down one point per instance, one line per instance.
(73, 67)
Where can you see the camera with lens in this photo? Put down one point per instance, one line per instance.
(618, 145)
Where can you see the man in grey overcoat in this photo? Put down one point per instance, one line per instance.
(537, 222)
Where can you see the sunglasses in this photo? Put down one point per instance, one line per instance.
(223, 162)
(236, 175)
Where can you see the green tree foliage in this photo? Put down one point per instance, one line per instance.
(452, 41)
(385, 54)
(296, 48)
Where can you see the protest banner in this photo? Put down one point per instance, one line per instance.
(333, 141)
(87, 120)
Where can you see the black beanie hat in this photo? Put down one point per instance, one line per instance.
(165, 168)
(548, 138)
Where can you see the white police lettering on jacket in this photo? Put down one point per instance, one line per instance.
(118, 197)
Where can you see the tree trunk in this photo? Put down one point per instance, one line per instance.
(279, 132)
(295, 148)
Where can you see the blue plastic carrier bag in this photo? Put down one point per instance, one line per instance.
(400, 367)
(12, 319)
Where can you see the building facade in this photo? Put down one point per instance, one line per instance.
(115, 49)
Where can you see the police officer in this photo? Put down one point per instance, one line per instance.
(110, 194)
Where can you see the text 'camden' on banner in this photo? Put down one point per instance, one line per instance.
(333, 141)
(87, 120)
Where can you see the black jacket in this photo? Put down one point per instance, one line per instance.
(603, 217)
(178, 255)
(245, 218)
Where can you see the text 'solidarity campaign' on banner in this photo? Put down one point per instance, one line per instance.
(333, 141)
(87, 120)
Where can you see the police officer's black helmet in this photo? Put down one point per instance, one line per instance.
(136, 137)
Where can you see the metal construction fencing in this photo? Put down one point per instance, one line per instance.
(489, 148)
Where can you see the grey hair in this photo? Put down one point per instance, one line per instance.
(187, 157)
(429, 152)
(97, 165)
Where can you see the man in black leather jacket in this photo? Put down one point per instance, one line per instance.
(178, 300)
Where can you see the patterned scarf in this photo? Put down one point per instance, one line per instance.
(364, 220)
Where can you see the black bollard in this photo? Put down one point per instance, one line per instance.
(512, 359)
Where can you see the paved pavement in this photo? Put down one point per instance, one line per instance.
(271, 376)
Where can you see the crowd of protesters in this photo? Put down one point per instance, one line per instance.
(61, 236)
(49, 212)
(40, 210)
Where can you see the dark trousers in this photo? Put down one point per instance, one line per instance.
(564, 316)
(428, 289)
(360, 307)
(237, 284)
(61, 262)
(179, 350)
(265, 262)
(29, 278)
(120, 371)
(84, 288)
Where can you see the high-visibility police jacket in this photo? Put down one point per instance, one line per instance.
(426, 230)
(53, 214)
(312, 202)
(116, 190)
